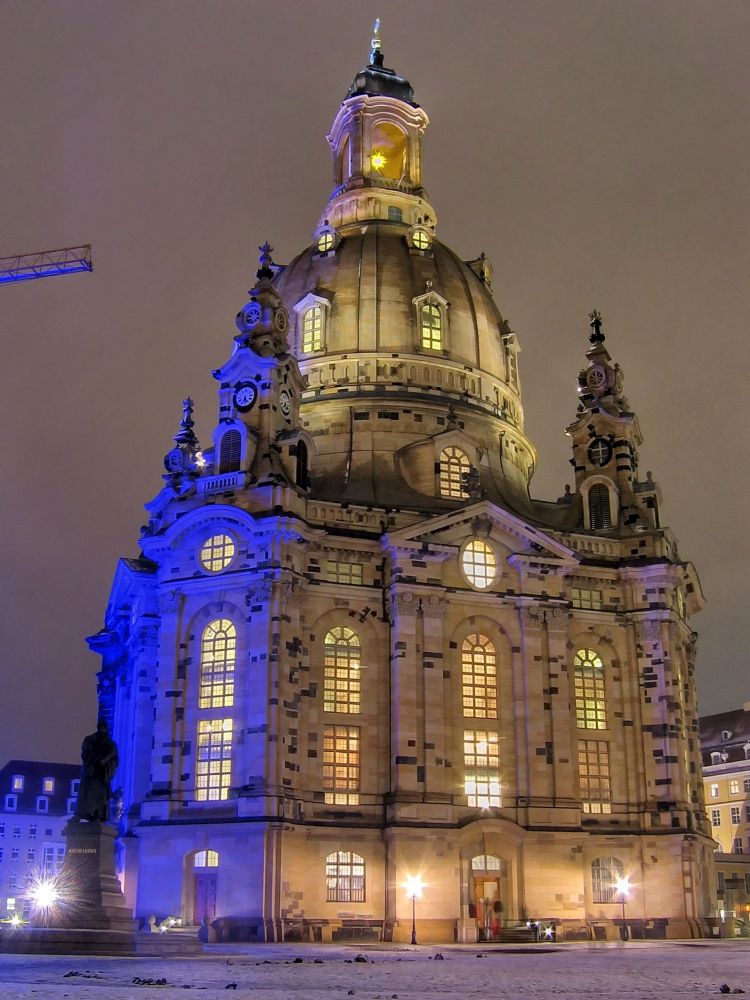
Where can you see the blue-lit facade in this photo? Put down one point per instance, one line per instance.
(354, 650)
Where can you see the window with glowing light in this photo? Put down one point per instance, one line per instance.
(218, 652)
(341, 765)
(600, 514)
(605, 873)
(594, 777)
(325, 242)
(48, 786)
(588, 685)
(341, 671)
(312, 330)
(17, 783)
(345, 877)
(479, 563)
(206, 859)
(340, 571)
(734, 787)
(388, 151)
(482, 768)
(217, 552)
(587, 600)
(714, 791)
(431, 327)
(213, 769)
(479, 676)
(486, 863)
(454, 465)
(230, 452)
(421, 240)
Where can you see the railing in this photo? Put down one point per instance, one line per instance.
(222, 483)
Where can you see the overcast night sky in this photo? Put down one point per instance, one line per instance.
(597, 150)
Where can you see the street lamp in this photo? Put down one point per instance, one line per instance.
(414, 886)
(622, 888)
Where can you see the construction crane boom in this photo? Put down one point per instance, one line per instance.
(27, 266)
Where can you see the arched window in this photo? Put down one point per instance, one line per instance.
(345, 160)
(218, 650)
(588, 684)
(479, 673)
(341, 677)
(302, 474)
(604, 875)
(230, 452)
(479, 563)
(454, 464)
(600, 515)
(345, 878)
(486, 863)
(388, 152)
(431, 327)
(206, 859)
(312, 330)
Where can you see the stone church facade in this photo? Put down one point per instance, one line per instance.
(354, 651)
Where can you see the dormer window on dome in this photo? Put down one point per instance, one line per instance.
(312, 322)
(326, 241)
(432, 314)
(419, 239)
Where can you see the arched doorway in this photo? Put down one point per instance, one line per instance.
(488, 892)
(205, 876)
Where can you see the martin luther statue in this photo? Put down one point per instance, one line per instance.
(99, 757)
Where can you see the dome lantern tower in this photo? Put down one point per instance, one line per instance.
(376, 142)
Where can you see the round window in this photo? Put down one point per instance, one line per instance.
(217, 552)
(479, 564)
(600, 451)
(325, 242)
(420, 239)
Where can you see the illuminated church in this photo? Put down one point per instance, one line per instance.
(354, 651)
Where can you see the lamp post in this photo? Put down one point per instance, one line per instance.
(622, 888)
(414, 886)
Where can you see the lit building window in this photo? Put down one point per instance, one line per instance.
(17, 783)
(325, 242)
(217, 552)
(605, 873)
(230, 452)
(734, 814)
(588, 684)
(431, 327)
(600, 515)
(479, 674)
(341, 765)
(587, 600)
(482, 764)
(479, 564)
(716, 817)
(338, 571)
(218, 652)
(312, 330)
(734, 788)
(345, 878)
(421, 240)
(454, 465)
(206, 859)
(213, 769)
(341, 672)
(714, 791)
(486, 863)
(48, 786)
(593, 776)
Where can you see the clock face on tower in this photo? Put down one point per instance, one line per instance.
(245, 395)
(285, 402)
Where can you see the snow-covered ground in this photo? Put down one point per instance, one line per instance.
(633, 971)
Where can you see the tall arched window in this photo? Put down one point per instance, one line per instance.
(218, 650)
(345, 878)
(431, 327)
(479, 672)
(604, 875)
(600, 515)
(230, 452)
(341, 676)
(312, 330)
(301, 473)
(588, 684)
(454, 464)
(345, 160)
(388, 151)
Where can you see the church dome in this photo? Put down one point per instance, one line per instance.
(406, 355)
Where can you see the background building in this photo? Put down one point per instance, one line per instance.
(725, 745)
(36, 800)
(354, 650)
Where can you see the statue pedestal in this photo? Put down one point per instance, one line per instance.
(92, 897)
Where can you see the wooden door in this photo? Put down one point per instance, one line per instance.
(486, 895)
(204, 906)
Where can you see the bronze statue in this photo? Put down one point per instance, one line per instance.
(99, 757)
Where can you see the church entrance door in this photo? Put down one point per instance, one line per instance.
(488, 895)
(204, 907)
